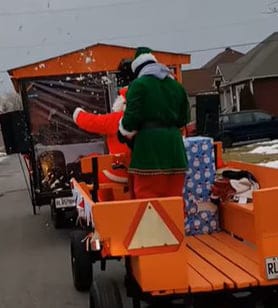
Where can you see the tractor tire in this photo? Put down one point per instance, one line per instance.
(57, 217)
(81, 263)
(105, 293)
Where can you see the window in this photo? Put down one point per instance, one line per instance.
(225, 119)
(241, 118)
(261, 116)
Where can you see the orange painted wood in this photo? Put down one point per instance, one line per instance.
(266, 223)
(161, 272)
(240, 247)
(95, 58)
(113, 220)
(236, 258)
(233, 272)
(238, 219)
(208, 273)
(197, 283)
(104, 161)
(119, 190)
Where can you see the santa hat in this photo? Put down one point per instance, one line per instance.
(120, 101)
(143, 56)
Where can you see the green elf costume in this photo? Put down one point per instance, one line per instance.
(156, 111)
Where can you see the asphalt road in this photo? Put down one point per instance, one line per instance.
(35, 267)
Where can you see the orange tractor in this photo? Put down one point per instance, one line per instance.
(235, 267)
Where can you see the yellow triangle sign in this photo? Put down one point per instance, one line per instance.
(152, 231)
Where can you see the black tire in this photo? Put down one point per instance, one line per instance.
(81, 263)
(58, 217)
(105, 293)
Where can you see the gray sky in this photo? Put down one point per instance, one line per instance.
(34, 30)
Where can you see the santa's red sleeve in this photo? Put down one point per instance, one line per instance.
(104, 124)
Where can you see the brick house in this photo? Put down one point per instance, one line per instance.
(251, 82)
(200, 82)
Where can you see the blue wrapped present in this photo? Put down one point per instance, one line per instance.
(199, 179)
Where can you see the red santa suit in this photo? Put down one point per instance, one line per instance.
(107, 125)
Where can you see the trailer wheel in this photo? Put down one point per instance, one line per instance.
(81, 263)
(58, 218)
(105, 293)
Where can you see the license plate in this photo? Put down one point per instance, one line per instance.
(64, 202)
(271, 265)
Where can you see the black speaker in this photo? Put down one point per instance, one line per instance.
(15, 133)
(207, 115)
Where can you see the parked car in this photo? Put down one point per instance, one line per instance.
(247, 125)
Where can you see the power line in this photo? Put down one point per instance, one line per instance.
(204, 49)
(124, 37)
(222, 47)
(186, 51)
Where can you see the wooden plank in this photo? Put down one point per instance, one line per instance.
(237, 220)
(247, 251)
(235, 257)
(236, 274)
(196, 282)
(208, 272)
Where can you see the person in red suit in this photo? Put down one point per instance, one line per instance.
(107, 125)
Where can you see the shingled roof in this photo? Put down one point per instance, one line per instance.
(229, 55)
(259, 62)
(200, 81)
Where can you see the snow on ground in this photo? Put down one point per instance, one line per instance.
(266, 149)
(272, 164)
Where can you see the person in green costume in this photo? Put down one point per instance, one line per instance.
(156, 111)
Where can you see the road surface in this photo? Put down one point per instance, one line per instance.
(35, 267)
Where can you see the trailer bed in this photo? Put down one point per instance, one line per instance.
(220, 261)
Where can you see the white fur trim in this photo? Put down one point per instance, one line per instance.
(119, 104)
(76, 113)
(115, 178)
(125, 132)
(142, 59)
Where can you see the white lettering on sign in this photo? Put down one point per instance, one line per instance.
(271, 265)
(64, 202)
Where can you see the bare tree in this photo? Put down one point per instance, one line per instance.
(272, 7)
(10, 102)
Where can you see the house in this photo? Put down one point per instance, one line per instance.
(200, 82)
(252, 80)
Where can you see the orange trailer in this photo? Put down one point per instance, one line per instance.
(236, 267)
(44, 131)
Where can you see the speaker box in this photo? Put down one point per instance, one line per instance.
(207, 115)
(15, 133)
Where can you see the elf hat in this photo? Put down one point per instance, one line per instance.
(142, 56)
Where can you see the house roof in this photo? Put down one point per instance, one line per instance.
(200, 81)
(228, 70)
(229, 55)
(259, 62)
(197, 81)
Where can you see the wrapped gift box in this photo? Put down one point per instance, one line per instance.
(199, 178)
